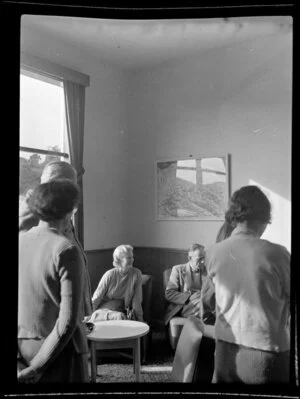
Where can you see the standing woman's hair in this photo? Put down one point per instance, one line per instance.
(248, 204)
(54, 200)
(225, 231)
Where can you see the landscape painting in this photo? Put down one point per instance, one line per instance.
(192, 188)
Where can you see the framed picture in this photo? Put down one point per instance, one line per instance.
(192, 188)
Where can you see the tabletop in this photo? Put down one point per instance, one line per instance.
(114, 330)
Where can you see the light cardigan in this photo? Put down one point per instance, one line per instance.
(115, 284)
(252, 283)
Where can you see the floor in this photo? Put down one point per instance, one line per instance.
(119, 368)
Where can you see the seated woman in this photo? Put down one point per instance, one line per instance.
(119, 292)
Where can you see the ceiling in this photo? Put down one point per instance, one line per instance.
(141, 43)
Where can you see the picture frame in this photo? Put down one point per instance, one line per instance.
(192, 187)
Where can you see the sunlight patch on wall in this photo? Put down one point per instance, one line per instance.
(279, 231)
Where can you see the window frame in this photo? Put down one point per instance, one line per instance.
(50, 72)
(44, 152)
(27, 71)
(33, 64)
(46, 70)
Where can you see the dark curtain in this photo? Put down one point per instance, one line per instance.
(74, 103)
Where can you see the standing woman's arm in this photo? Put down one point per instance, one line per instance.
(70, 278)
(285, 278)
(286, 272)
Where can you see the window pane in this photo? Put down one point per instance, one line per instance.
(42, 126)
(42, 114)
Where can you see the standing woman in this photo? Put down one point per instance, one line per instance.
(55, 170)
(51, 336)
(252, 282)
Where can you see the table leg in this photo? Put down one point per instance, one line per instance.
(137, 360)
(93, 362)
(133, 357)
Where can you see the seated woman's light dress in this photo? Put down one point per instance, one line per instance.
(118, 290)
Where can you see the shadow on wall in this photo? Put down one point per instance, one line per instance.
(279, 231)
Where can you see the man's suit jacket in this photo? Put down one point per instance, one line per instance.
(177, 291)
(27, 220)
(50, 307)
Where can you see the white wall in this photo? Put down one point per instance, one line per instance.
(105, 155)
(235, 100)
(105, 160)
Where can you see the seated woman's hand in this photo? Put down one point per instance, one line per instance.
(116, 316)
(103, 315)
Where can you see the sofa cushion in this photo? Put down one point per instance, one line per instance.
(147, 297)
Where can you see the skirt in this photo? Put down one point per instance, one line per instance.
(240, 364)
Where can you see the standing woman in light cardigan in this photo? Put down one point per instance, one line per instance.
(252, 283)
(52, 345)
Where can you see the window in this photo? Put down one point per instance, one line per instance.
(43, 133)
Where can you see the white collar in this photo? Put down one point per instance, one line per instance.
(194, 270)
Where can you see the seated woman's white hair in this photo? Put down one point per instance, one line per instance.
(119, 252)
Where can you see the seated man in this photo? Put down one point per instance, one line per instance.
(190, 291)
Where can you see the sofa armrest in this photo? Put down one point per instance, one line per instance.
(147, 297)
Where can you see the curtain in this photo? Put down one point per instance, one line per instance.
(74, 103)
(296, 345)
